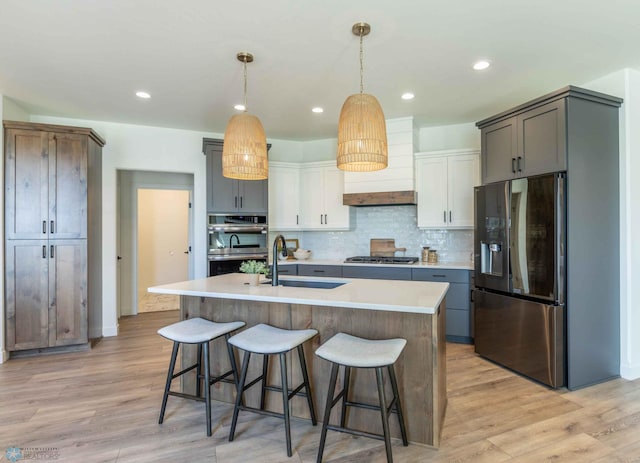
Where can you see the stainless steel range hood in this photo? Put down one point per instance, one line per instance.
(384, 198)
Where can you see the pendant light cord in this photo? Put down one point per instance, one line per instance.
(361, 65)
(245, 84)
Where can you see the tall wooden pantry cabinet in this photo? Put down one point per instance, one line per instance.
(53, 236)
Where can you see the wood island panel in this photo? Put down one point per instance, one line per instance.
(421, 369)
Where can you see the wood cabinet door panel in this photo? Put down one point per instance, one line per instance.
(462, 175)
(67, 292)
(67, 186)
(284, 197)
(499, 150)
(26, 177)
(432, 209)
(253, 196)
(27, 297)
(311, 198)
(541, 139)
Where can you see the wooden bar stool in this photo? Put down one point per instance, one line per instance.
(198, 331)
(352, 352)
(269, 340)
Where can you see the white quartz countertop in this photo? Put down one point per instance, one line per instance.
(440, 265)
(390, 295)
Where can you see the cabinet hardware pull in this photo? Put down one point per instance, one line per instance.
(44, 226)
(236, 202)
(321, 222)
(439, 276)
(44, 251)
(51, 252)
(450, 216)
(513, 165)
(318, 271)
(519, 159)
(325, 219)
(444, 216)
(240, 202)
(51, 228)
(297, 223)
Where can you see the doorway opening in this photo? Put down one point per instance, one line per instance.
(154, 236)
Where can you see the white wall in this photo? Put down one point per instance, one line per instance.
(448, 137)
(626, 84)
(11, 111)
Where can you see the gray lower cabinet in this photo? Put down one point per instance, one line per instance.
(459, 314)
(320, 270)
(225, 195)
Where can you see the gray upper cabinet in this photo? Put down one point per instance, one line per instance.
(225, 195)
(525, 141)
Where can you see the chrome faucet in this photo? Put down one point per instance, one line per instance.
(274, 253)
(231, 239)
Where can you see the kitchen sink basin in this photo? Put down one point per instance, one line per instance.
(309, 284)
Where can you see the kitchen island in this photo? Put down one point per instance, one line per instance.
(374, 309)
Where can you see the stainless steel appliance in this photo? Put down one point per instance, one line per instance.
(381, 260)
(232, 239)
(519, 297)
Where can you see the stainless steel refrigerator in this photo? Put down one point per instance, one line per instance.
(519, 297)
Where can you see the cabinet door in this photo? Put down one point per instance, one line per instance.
(431, 179)
(542, 140)
(499, 151)
(462, 176)
(336, 214)
(253, 196)
(311, 198)
(27, 297)
(67, 186)
(26, 184)
(222, 192)
(284, 198)
(68, 321)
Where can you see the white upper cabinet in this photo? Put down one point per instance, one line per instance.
(321, 190)
(444, 182)
(284, 196)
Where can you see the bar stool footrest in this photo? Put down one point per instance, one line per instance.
(355, 432)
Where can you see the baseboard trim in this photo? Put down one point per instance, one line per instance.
(630, 372)
(4, 356)
(108, 331)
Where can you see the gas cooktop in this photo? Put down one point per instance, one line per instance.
(381, 260)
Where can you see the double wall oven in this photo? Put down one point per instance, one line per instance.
(232, 239)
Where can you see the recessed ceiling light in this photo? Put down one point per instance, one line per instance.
(240, 107)
(480, 65)
(317, 109)
(144, 95)
(408, 96)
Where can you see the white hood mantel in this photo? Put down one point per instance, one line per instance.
(394, 185)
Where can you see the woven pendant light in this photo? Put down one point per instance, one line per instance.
(244, 151)
(362, 131)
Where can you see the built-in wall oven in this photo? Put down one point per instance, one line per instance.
(232, 239)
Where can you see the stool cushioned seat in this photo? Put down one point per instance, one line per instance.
(357, 352)
(197, 330)
(267, 339)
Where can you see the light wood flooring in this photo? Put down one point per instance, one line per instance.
(102, 406)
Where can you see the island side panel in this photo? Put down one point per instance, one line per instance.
(422, 392)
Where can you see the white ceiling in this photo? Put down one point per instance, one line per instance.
(86, 58)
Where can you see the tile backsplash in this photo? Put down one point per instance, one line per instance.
(398, 222)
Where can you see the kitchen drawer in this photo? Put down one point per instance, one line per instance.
(287, 269)
(434, 274)
(376, 273)
(320, 270)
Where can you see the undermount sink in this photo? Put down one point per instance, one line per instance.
(309, 284)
